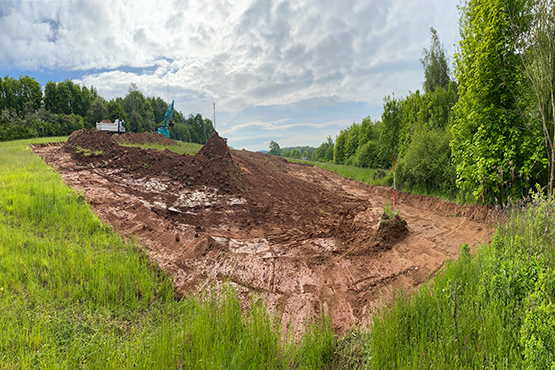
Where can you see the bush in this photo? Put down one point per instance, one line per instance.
(427, 163)
(366, 155)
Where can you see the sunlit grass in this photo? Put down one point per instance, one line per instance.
(181, 148)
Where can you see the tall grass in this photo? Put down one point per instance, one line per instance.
(73, 294)
(494, 309)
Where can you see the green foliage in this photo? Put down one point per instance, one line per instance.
(489, 145)
(324, 153)
(504, 316)
(390, 130)
(339, 148)
(367, 156)
(436, 68)
(427, 163)
(274, 148)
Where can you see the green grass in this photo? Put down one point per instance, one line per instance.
(181, 148)
(73, 294)
(494, 309)
(364, 175)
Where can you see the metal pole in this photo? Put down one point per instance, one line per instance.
(394, 186)
(214, 104)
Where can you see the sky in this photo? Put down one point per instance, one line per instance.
(294, 72)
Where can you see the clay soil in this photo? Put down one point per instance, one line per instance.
(302, 238)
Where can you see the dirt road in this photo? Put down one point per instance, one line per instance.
(299, 236)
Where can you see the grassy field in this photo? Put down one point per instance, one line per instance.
(365, 175)
(181, 148)
(73, 294)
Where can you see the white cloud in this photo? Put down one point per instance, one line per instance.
(238, 53)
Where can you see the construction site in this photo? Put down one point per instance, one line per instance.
(305, 240)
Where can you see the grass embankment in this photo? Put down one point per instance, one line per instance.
(368, 176)
(365, 175)
(181, 148)
(74, 295)
(494, 309)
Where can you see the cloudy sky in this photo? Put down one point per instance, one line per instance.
(290, 71)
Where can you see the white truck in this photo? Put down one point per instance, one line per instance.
(110, 127)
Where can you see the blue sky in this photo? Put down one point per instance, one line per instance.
(290, 71)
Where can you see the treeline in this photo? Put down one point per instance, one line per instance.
(65, 106)
(489, 131)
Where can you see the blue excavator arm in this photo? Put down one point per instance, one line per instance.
(168, 120)
(169, 114)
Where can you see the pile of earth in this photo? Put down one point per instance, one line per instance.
(97, 149)
(274, 197)
(144, 138)
(388, 231)
(93, 144)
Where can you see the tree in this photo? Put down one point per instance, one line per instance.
(115, 110)
(97, 112)
(533, 29)
(274, 149)
(390, 129)
(339, 149)
(436, 68)
(138, 110)
(159, 108)
(489, 145)
(50, 96)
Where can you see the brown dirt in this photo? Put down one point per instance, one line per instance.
(300, 236)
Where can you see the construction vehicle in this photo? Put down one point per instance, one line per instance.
(110, 127)
(165, 128)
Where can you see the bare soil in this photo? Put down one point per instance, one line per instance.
(303, 238)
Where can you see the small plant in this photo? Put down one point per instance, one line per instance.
(388, 211)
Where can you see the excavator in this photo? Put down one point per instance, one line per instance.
(165, 128)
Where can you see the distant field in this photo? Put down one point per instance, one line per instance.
(73, 294)
(182, 148)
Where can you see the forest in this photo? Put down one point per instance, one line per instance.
(64, 107)
(483, 131)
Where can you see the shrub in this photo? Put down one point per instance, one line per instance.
(427, 163)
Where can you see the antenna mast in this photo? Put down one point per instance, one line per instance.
(214, 104)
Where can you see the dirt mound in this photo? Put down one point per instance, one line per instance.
(215, 147)
(144, 138)
(216, 170)
(93, 143)
(389, 231)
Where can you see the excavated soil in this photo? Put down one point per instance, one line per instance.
(303, 238)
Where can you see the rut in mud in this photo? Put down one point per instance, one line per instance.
(296, 235)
